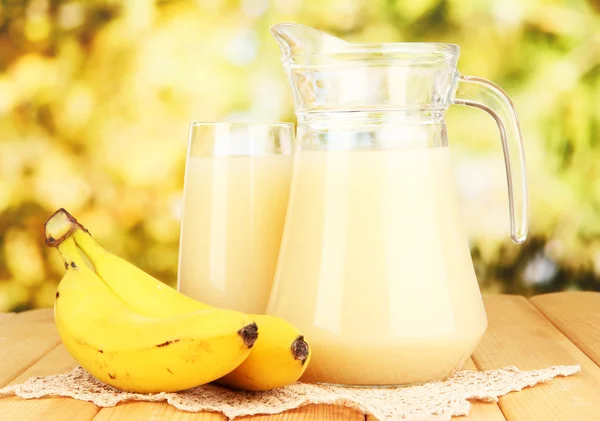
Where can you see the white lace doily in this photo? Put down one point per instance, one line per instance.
(437, 401)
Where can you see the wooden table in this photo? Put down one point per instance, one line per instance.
(551, 329)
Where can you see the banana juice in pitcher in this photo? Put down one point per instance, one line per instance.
(374, 267)
(374, 248)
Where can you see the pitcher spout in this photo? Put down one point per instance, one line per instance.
(329, 74)
(296, 39)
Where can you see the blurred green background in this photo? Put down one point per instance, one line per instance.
(96, 98)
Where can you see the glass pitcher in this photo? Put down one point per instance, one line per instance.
(374, 267)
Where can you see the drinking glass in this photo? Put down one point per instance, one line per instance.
(236, 188)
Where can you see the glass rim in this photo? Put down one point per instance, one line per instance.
(415, 48)
(241, 124)
(404, 53)
(239, 138)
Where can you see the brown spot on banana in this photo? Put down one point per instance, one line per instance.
(300, 349)
(249, 334)
(73, 265)
(57, 294)
(167, 343)
(112, 376)
(100, 351)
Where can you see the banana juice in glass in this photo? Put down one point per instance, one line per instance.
(235, 199)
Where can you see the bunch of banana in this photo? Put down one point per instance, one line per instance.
(146, 333)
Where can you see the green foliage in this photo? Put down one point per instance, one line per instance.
(96, 98)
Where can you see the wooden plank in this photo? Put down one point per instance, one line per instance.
(481, 411)
(577, 315)
(5, 316)
(24, 339)
(58, 408)
(143, 411)
(38, 315)
(46, 409)
(311, 413)
(33, 325)
(519, 335)
(58, 361)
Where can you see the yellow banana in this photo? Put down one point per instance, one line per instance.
(273, 362)
(279, 357)
(138, 353)
(139, 289)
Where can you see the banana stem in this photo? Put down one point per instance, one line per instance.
(70, 254)
(60, 226)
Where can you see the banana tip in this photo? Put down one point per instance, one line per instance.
(249, 334)
(300, 349)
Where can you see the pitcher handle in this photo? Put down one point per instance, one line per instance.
(486, 95)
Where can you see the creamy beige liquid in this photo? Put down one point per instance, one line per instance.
(234, 210)
(375, 269)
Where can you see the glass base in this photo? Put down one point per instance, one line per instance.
(373, 386)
